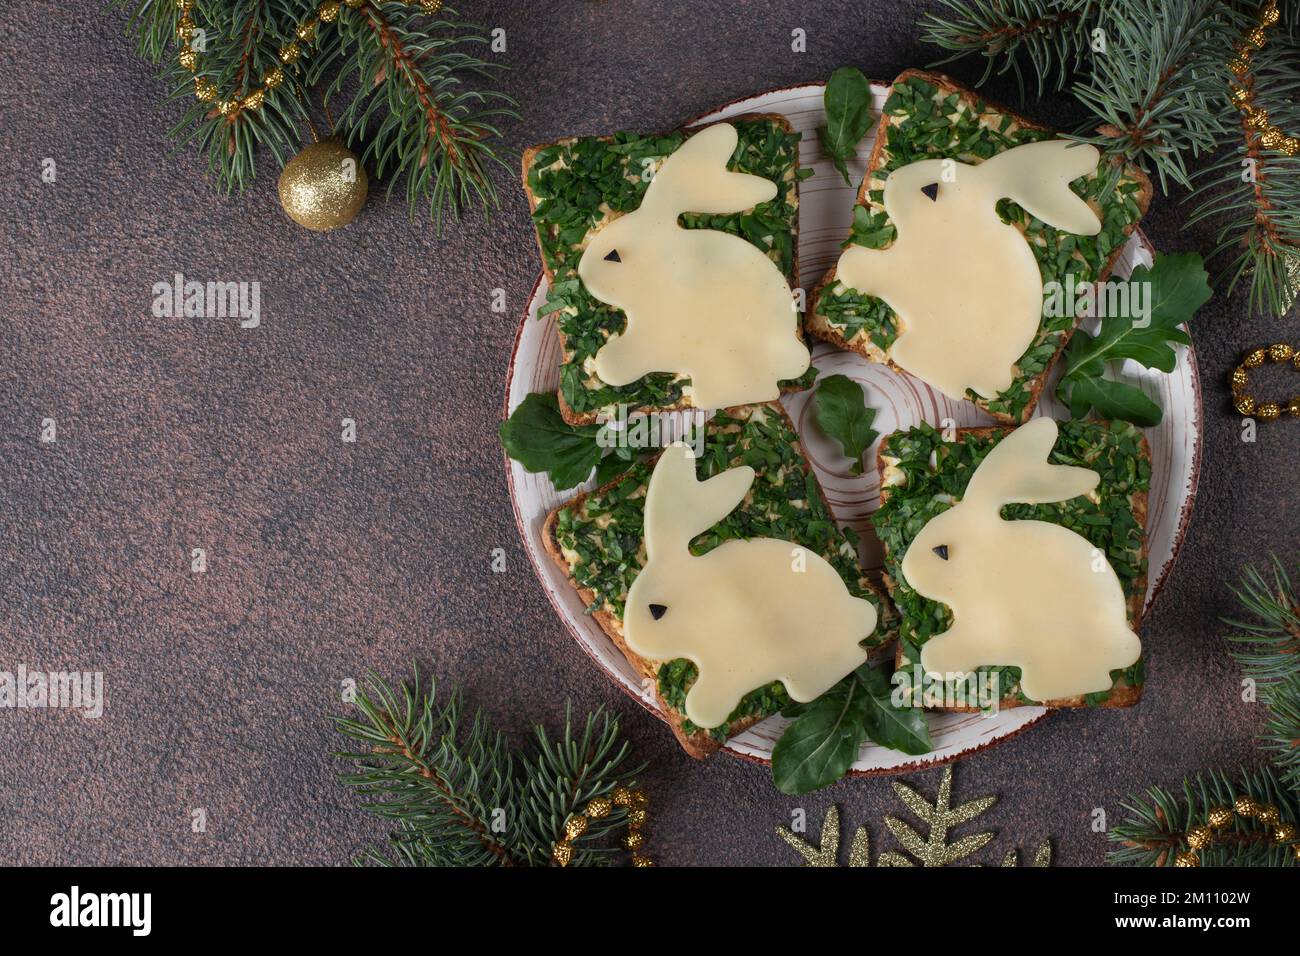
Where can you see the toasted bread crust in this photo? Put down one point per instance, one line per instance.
(828, 333)
(530, 154)
(699, 744)
(1119, 697)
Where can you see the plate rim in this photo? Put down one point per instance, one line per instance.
(921, 763)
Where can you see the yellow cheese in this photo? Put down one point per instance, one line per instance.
(965, 285)
(748, 612)
(699, 302)
(1028, 594)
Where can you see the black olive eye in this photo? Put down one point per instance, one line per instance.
(657, 611)
(932, 191)
(613, 256)
(941, 551)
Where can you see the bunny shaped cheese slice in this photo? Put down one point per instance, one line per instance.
(747, 613)
(699, 302)
(965, 285)
(1028, 594)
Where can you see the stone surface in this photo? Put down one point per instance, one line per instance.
(326, 559)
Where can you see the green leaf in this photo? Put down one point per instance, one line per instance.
(539, 438)
(898, 728)
(842, 413)
(1178, 286)
(847, 101)
(822, 743)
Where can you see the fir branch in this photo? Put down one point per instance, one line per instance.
(456, 793)
(1156, 827)
(1047, 37)
(413, 108)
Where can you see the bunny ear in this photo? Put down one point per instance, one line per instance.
(1017, 470)
(695, 178)
(678, 507)
(1039, 177)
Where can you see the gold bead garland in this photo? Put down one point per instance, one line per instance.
(1200, 837)
(1243, 97)
(634, 801)
(1244, 403)
(230, 107)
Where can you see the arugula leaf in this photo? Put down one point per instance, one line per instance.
(539, 438)
(1179, 286)
(822, 743)
(847, 101)
(842, 413)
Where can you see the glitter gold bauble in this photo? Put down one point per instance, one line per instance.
(1284, 833)
(1291, 147)
(184, 29)
(640, 798)
(1239, 95)
(289, 54)
(1239, 65)
(205, 90)
(228, 107)
(323, 187)
(1267, 814)
(1256, 117)
(306, 31)
(273, 79)
(599, 807)
(1272, 138)
(636, 819)
(642, 861)
(430, 7)
(188, 59)
(575, 827)
(1186, 859)
(1245, 807)
(1281, 352)
(1255, 37)
(184, 6)
(1269, 15)
(633, 840)
(622, 797)
(1254, 359)
(1240, 379)
(1268, 412)
(1219, 817)
(562, 852)
(1295, 851)
(328, 12)
(1293, 407)
(1198, 838)
(252, 101)
(354, 3)
(1245, 406)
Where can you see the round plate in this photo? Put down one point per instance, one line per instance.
(825, 211)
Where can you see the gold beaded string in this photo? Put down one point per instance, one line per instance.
(1243, 96)
(1240, 381)
(634, 801)
(1200, 837)
(206, 91)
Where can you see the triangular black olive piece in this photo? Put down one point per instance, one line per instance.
(932, 191)
(941, 551)
(613, 256)
(657, 611)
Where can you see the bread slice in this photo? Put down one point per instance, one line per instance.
(917, 465)
(910, 131)
(596, 539)
(563, 180)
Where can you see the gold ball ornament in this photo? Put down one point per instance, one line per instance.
(1245, 406)
(1240, 65)
(1186, 859)
(1255, 37)
(633, 840)
(1281, 352)
(599, 807)
(188, 58)
(204, 89)
(1198, 838)
(353, 3)
(1284, 833)
(228, 108)
(1268, 412)
(622, 797)
(575, 827)
(1239, 95)
(184, 28)
(1269, 15)
(1267, 814)
(328, 12)
(1291, 147)
(1257, 117)
(273, 79)
(1219, 817)
(184, 6)
(323, 187)
(1293, 407)
(290, 53)
(1295, 850)
(306, 31)
(641, 862)
(1254, 359)
(1245, 806)
(562, 852)
(636, 819)
(1272, 138)
(1240, 379)
(253, 101)
(430, 7)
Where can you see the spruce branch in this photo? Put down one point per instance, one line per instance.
(1156, 827)
(456, 793)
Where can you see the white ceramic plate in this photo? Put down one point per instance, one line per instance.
(825, 211)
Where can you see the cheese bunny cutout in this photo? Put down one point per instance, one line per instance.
(699, 302)
(747, 613)
(1028, 594)
(965, 285)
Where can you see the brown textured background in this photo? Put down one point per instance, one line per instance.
(327, 559)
